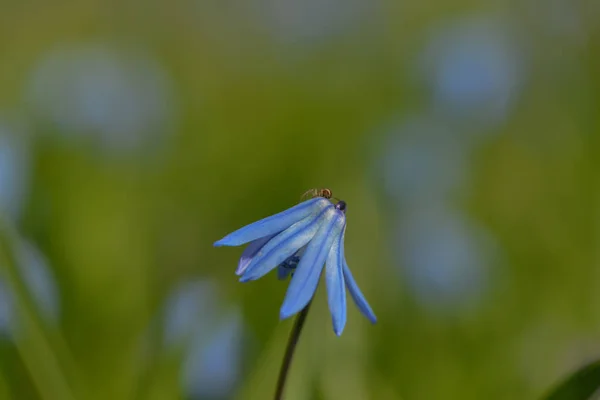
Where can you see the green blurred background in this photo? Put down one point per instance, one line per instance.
(463, 136)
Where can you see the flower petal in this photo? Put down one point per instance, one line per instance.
(357, 296)
(250, 252)
(275, 223)
(336, 291)
(306, 277)
(281, 247)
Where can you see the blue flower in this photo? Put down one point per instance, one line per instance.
(300, 241)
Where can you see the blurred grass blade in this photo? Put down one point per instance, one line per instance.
(4, 390)
(582, 385)
(30, 340)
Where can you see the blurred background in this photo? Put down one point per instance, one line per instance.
(464, 137)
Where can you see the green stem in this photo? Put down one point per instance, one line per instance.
(289, 351)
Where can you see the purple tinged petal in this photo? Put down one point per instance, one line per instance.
(282, 246)
(336, 291)
(357, 296)
(275, 223)
(306, 277)
(250, 252)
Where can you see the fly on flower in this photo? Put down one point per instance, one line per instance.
(323, 192)
(301, 240)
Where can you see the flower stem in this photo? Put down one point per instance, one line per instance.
(289, 351)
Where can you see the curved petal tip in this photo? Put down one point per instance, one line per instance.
(285, 314)
(338, 325)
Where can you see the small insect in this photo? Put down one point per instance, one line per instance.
(323, 192)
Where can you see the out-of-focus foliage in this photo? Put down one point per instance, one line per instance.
(583, 384)
(464, 137)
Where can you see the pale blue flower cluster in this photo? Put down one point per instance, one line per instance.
(300, 241)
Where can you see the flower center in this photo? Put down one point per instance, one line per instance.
(292, 262)
(341, 205)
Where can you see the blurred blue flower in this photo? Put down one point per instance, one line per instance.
(447, 259)
(213, 364)
(306, 22)
(6, 310)
(40, 284)
(423, 158)
(115, 101)
(474, 68)
(14, 172)
(299, 241)
(209, 336)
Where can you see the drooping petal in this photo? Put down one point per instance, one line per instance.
(282, 246)
(275, 223)
(336, 290)
(249, 253)
(357, 296)
(306, 277)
